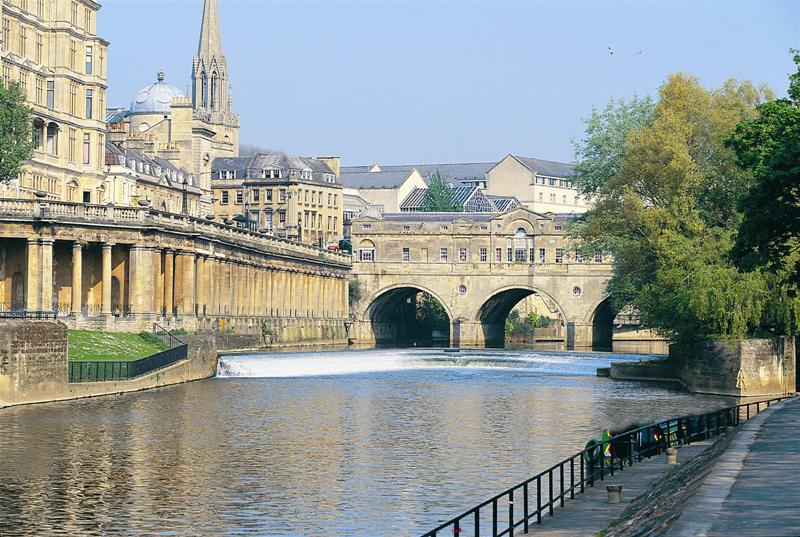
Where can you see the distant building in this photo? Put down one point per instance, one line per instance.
(383, 190)
(540, 185)
(292, 197)
(469, 199)
(52, 50)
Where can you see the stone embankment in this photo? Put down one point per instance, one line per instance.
(34, 363)
(743, 368)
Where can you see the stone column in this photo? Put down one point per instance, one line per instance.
(77, 278)
(33, 268)
(46, 291)
(185, 270)
(140, 275)
(169, 282)
(105, 308)
(158, 283)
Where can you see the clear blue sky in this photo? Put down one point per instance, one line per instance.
(430, 82)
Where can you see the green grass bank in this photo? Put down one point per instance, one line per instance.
(89, 346)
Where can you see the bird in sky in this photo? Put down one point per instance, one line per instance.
(611, 51)
(640, 52)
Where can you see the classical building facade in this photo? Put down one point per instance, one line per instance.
(383, 190)
(123, 268)
(291, 197)
(478, 266)
(52, 50)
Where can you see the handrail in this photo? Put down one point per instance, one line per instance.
(172, 340)
(94, 371)
(591, 464)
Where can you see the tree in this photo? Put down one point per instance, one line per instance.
(668, 216)
(439, 197)
(768, 147)
(599, 154)
(16, 140)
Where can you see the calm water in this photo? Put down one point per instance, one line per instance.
(363, 443)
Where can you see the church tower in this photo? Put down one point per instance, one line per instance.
(210, 73)
(215, 127)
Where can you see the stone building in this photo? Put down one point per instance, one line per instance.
(469, 199)
(383, 190)
(540, 185)
(188, 131)
(52, 49)
(291, 197)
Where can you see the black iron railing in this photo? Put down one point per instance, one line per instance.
(524, 505)
(165, 336)
(109, 371)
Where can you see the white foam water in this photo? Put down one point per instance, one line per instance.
(308, 364)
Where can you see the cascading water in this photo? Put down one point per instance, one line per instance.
(309, 364)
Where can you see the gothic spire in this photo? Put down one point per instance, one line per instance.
(210, 41)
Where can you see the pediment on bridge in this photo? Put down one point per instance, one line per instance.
(522, 212)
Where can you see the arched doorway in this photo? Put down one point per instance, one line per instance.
(409, 316)
(17, 291)
(494, 312)
(116, 298)
(602, 323)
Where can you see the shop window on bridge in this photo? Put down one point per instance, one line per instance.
(510, 255)
(462, 255)
(532, 256)
(542, 255)
(443, 255)
(406, 255)
(598, 258)
(559, 255)
(484, 254)
(366, 254)
(579, 257)
(498, 255)
(520, 245)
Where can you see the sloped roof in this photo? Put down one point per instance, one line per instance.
(436, 217)
(416, 198)
(250, 167)
(503, 203)
(367, 179)
(452, 173)
(116, 156)
(547, 168)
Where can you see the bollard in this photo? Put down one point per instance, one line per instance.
(672, 455)
(614, 493)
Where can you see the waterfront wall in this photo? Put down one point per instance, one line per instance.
(744, 368)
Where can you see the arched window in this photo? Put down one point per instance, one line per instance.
(204, 89)
(72, 190)
(366, 251)
(38, 134)
(520, 245)
(214, 92)
(51, 145)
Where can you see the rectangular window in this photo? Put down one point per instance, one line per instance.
(73, 98)
(484, 254)
(443, 257)
(579, 257)
(89, 60)
(256, 195)
(283, 195)
(51, 94)
(598, 258)
(335, 200)
(269, 194)
(559, 255)
(406, 255)
(39, 90)
(74, 14)
(552, 182)
(367, 254)
(367, 226)
(281, 219)
(6, 33)
(73, 135)
(39, 48)
(73, 53)
(510, 255)
(329, 223)
(498, 255)
(239, 197)
(462, 255)
(552, 198)
(542, 255)
(89, 103)
(87, 148)
(519, 255)
(558, 228)
(23, 41)
(330, 199)
(224, 197)
(334, 223)
(406, 229)
(532, 256)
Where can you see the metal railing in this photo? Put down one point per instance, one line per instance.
(166, 337)
(523, 505)
(109, 371)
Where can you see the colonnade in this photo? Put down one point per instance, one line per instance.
(155, 282)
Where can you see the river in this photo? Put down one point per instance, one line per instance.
(328, 443)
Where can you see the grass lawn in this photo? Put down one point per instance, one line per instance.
(87, 346)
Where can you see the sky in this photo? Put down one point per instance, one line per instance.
(412, 82)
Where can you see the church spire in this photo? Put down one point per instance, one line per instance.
(210, 41)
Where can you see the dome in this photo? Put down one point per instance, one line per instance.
(155, 98)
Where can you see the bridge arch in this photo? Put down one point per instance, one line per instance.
(391, 315)
(601, 324)
(494, 307)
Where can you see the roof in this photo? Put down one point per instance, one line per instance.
(547, 168)
(351, 201)
(158, 167)
(436, 217)
(452, 173)
(367, 179)
(416, 198)
(503, 203)
(155, 98)
(251, 166)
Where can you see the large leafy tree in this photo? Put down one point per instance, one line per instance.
(16, 140)
(439, 197)
(668, 215)
(768, 146)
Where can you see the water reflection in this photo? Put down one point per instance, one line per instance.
(365, 454)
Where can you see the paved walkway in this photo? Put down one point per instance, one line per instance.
(590, 512)
(755, 488)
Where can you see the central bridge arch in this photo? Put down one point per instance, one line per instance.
(391, 316)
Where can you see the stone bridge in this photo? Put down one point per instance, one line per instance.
(123, 268)
(478, 267)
